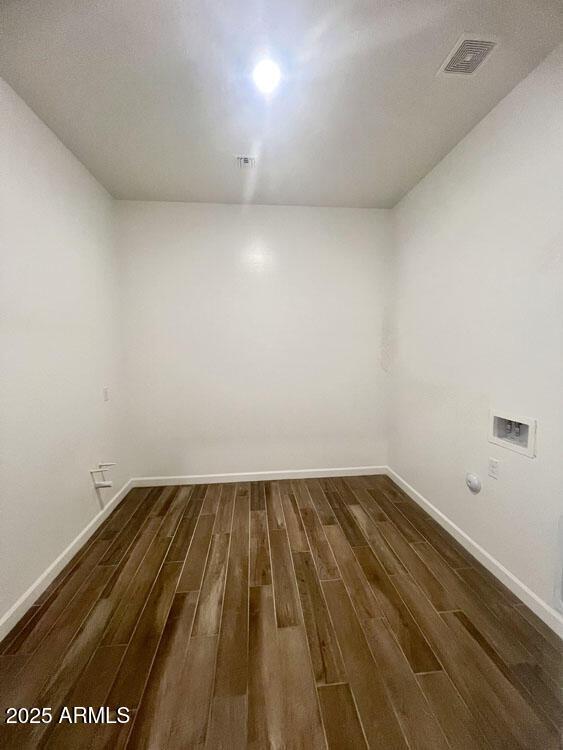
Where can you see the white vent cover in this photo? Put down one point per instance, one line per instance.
(246, 162)
(467, 55)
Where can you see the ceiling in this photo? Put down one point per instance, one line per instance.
(155, 97)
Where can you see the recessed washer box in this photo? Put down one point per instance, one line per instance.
(514, 432)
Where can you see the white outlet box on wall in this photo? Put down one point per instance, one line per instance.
(514, 432)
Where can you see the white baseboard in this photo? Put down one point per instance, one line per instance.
(542, 609)
(11, 617)
(255, 476)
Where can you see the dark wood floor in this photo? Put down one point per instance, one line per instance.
(300, 614)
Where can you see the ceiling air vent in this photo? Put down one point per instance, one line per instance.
(467, 55)
(246, 162)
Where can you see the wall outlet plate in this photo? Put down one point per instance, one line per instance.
(494, 464)
(514, 432)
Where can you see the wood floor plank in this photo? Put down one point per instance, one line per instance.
(521, 676)
(340, 718)
(383, 482)
(11, 639)
(199, 491)
(11, 663)
(268, 489)
(185, 531)
(431, 586)
(224, 516)
(282, 704)
(192, 572)
(265, 714)
(36, 628)
(543, 629)
(320, 548)
(55, 691)
(260, 568)
(208, 612)
(452, 552)
(473, 674)
(366, 502)
(124, 573)
(325, 484)
(211, 499)
(545, 655)
(257, 496)
(346, 520)
(408, 531)
(293, 523)
(459, 664)
(354, 579)
(232, 660)
(415, 716)
(60, 683)
(455, 718)
(378, 719)
(301, 493)
(162, 500)
(32, 676)
(323, 646)
(547, 697)
(276, 520)
(68, 569)
(124, 619)
(285, 587)
(376, 541)
(493, 597)
(154, 719)
(124, 539)
(91, 689)
(133, 673)
(191, 715)
(228, 720)
(227, 723)
(300, 709)
(484, 644)
(176, 511)
(505, 593)
(355, 482)
(112, 736)
(117, 520)
(320, 502)
(529, 730)
(341, 487)
(508, 647)
(409, 636)
(371, 480)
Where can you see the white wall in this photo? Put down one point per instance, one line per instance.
(253, 336)
(58, 346)
(479, 324)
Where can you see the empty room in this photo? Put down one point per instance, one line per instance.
(281, 366)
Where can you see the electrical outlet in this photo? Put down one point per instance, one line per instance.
(494, 468)
(106, 393)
